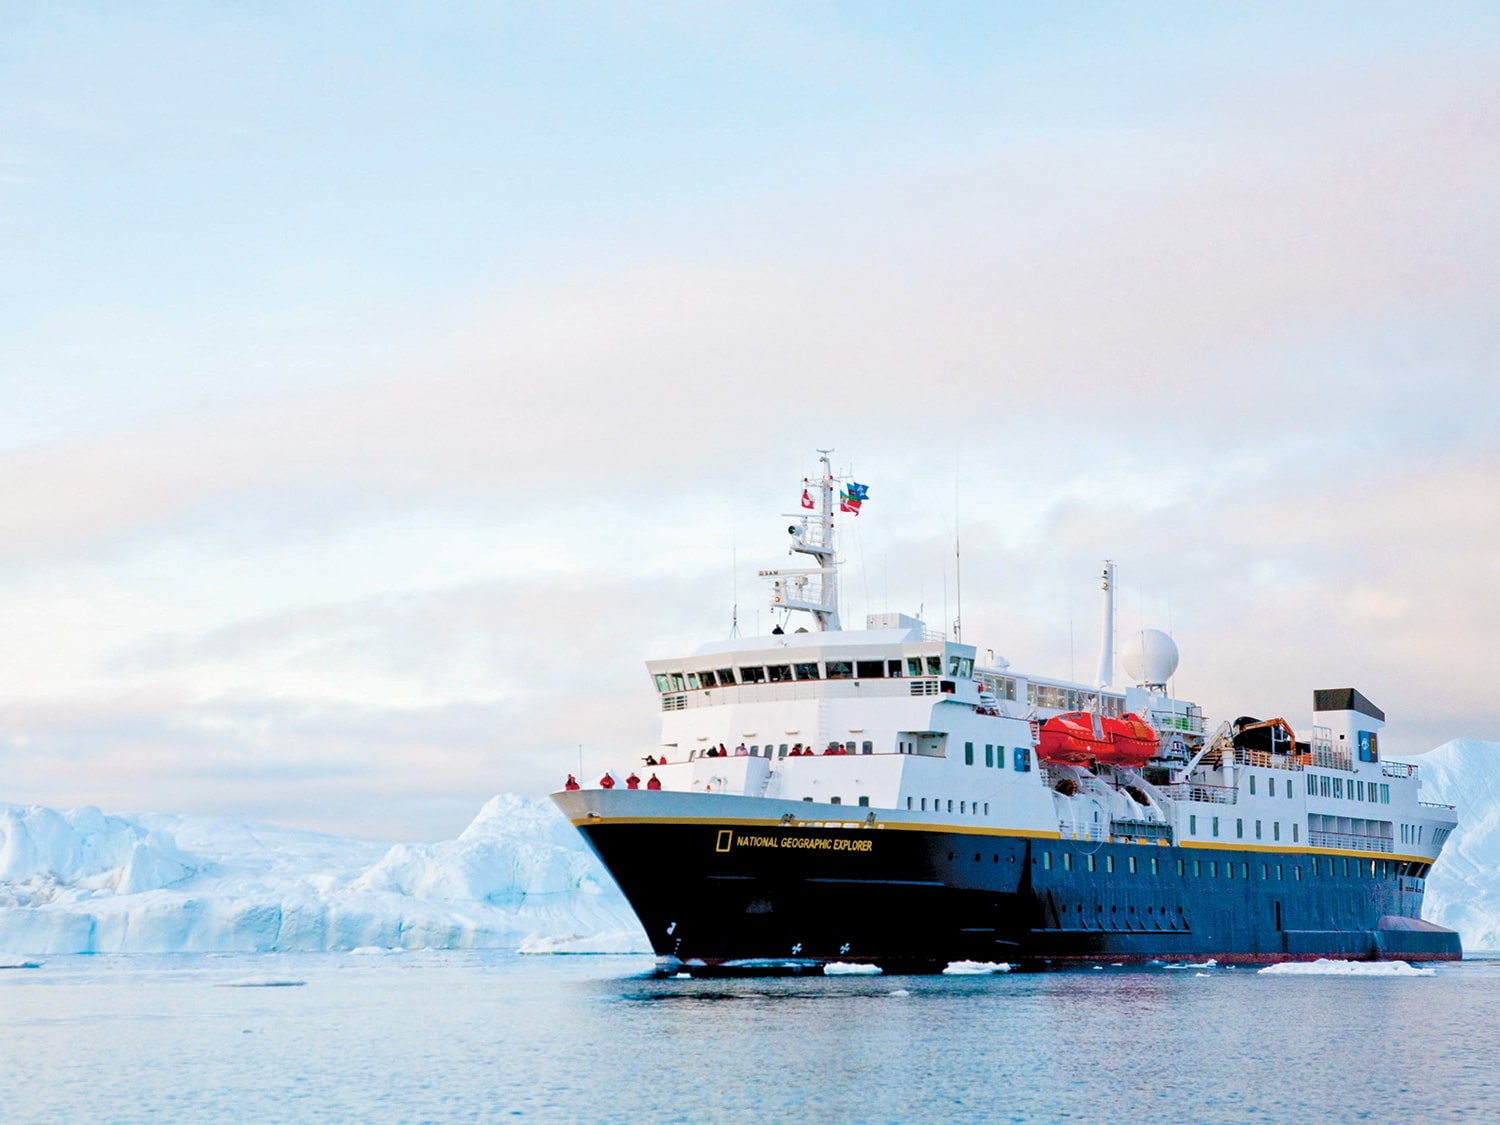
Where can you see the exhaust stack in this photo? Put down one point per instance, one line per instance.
(1107, 640)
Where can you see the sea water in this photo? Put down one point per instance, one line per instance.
(489, 1036)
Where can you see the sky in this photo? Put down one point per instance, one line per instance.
(380, 386)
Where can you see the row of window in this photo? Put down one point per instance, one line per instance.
(770, 749)
(1352, 789)
(965, 808)
(994, 757)
(1271, 786)
(1239, 828)
(959, 666)
(1331, 866)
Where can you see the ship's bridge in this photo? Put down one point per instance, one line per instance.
(821, 664)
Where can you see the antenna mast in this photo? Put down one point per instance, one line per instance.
(812, 534)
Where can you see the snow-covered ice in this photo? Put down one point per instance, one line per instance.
(80, 881)
(975, 968)
(1463, 888)
(1325, 968)
(850, 969)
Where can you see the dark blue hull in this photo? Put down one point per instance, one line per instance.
(918, 898)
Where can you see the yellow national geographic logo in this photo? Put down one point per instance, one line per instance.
(726, 837)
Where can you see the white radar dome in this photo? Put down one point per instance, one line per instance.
(1150, 657)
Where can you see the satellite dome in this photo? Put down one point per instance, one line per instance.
(1150, 657)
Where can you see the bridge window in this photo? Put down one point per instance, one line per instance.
(806, 671)
(779, 673)
(662, 683)
(840, 670)
(753, 674)
(692, 681)
(934, 665)
(870, 669)
(677, 684)
(913, 665)
(726, 677)
(894, 669)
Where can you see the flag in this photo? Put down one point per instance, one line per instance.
(807, 500)
(852, 495)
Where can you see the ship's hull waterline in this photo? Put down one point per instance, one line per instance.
(718, 884)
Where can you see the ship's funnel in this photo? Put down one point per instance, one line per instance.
(1107, 641)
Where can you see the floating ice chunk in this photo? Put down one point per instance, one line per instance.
(850, 969)
(898, 992)
(1326, 968)
(975, 968)
(262, 982)
(1211, 963)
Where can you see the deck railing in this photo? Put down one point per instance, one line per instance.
(1347, 842)
(1208, 794)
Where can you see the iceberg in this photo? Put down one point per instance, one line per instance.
(1463, 888)
(519, 877)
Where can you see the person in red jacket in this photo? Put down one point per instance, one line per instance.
(632, 782)
(606, 782)
(571, 783)
(654, 783)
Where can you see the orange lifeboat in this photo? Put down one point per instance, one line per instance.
(1074, 738)
(1132, 742)
(1079, 737)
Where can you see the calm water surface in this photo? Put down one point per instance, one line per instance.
(485, 1037)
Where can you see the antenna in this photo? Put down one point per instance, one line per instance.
(958, 567)
(734, 562)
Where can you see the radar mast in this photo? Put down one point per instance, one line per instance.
(814, 589)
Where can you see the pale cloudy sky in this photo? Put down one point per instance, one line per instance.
(381, 385)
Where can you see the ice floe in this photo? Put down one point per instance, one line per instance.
(1326, 968)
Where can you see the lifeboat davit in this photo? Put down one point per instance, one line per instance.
(1079, 737)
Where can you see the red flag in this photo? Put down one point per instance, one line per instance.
(807, 501)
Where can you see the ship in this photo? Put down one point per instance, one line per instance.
(883, 797)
